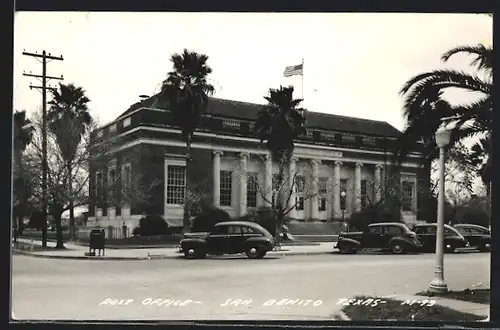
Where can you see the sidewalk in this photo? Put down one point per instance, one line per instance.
(74, 251)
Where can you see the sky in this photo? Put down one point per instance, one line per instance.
(354, 63)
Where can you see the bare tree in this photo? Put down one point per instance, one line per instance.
(60, 196)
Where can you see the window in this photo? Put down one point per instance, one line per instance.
(112, 182)
(327, 135)
(232, 124)
(368, 140)
(100, 133)
(449, 232)
(251, 126)
(247, 230)
(176, 184)
(220, 230)
(112, 128)
(376, 229)
(348, 138)
(322, 192)
(407, 196)
(364, 194)
(310, 133)
(463, 231)
(300, 203)
(226, 187)
(420, 230)
(432, 230)
(393, 230)
(343, 188)
(126, 179)
(475, 231)
(252, 187)
(127, 122)
(300, 182)
(234, 230)
(98, 185)
(275, 187)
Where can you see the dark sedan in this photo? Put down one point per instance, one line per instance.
(427, 233)
(230, 237)
(477, 236)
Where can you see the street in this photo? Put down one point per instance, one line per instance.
(179, 289)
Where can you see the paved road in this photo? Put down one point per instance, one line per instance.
(76, 289)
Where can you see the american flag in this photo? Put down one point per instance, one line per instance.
(293, 70)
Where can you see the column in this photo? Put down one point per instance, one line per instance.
(243, 184)
(378, 182)
(336, 189)
(216, 180)
(268, 184)
(292, 186)
(314, 192)
(357, 186)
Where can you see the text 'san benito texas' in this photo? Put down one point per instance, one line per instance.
(256, 166)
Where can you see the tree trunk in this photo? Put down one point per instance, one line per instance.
(71, 204)
(59, 232)
(279, 200)
(185, 217)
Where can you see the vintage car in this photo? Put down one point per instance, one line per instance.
(427, 233)
(477, 236)
(391, 236)
(230, 237)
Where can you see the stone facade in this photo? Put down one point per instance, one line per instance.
(148, 163)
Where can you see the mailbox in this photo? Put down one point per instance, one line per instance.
(97, 241)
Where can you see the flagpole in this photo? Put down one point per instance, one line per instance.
(302, 75)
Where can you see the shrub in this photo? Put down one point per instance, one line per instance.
(472, 215)
(265, 216)
(151, 225)
(207, 220)
(374, 214)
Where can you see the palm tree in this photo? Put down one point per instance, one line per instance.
(187, 91)
(424, 106)
(23, 134)
(279, 124)
(481, 157)
(68, 119)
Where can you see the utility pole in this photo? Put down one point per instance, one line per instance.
(45, 58)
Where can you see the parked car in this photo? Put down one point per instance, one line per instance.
(427, 233)
(477, 236)
(391, 236)
(231, 237)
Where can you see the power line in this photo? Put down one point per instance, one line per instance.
(45, 58)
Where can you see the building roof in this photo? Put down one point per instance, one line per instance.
(248, 111)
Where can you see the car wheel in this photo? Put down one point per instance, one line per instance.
(261, 254)
(190, 253)
(343, 248)
(397, 248)
(253, 252)
(484, 248)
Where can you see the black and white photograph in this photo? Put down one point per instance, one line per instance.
(251, 166)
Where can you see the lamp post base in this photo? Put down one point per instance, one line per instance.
(438, 285)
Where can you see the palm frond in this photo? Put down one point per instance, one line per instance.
(483, 55)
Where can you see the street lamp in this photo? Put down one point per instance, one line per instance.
(438, 284)
(342, 196)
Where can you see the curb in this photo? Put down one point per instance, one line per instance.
(150, 257)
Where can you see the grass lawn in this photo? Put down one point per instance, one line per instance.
(480, 296)
(394, 310)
